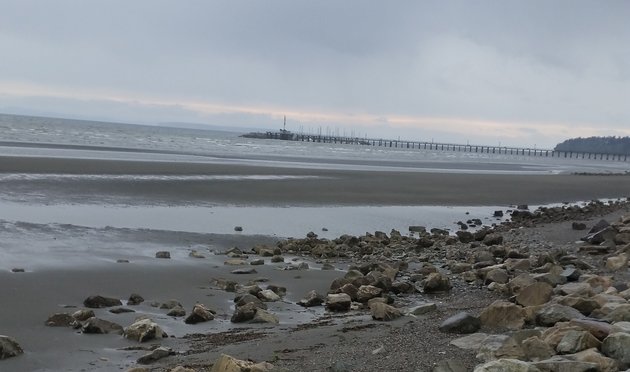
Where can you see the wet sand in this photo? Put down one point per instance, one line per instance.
(328, 187)
(90, 255)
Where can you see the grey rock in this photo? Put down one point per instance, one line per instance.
(60, 320)
(144, 330)
(338, 302)
(199, 314)
(97, 302)
(163, 254)
(9, 348)
(312, 299)
(157, 354)
(135, 299)
(101, 326)
(461, 323)
(617, 346)
(552, 314)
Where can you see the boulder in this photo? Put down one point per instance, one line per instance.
(617, 346)
(617, 262)
(338, 302)
(493, 239)
(155, 355)
(264, 316)
(144, 330)
(423, 308)
(97, 302)
(499, 346)
(576, 341)
(226, 363)
(470, 342)
(535, 349)
(199, 314)
(382, 311)
(83, 315)
(60, 320)
(450, 365)
(267, 295)
(497, 276)
(312, 299)
(435, 283)
(9, 347)
(101, 326)
(519, 282)
(461, 323)
(170, 304)
(244, 313)
(557, 363)
(249, 270)
(163, 254)
(593, 356)
(534, 294)
(368, 292)
(552, 314)
(581, 304)
(135, 299)
(506, 365)
(599, 329)
(502, 314)
(176, 312)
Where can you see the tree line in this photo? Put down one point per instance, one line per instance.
(597, 145)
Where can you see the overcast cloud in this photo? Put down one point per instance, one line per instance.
(522, 73)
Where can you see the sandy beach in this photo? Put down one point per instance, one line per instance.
(76, 262)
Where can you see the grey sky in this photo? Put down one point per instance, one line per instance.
(528, 72)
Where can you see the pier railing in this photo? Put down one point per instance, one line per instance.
(454, 147)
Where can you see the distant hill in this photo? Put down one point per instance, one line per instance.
(598, 145)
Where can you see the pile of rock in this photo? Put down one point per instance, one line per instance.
(561, 313)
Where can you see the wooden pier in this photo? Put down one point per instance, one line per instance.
(453, 147)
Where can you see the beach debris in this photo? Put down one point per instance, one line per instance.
(157, 354)
(101, 326)
(163, 254)
(200, 314)
(144, 330)
(9, 348)
(226, 363)
(135, 299)
(98, 301)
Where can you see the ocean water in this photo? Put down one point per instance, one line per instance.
(44, 137)
(34, 136)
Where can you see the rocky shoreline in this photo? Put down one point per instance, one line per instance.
(517, 296)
